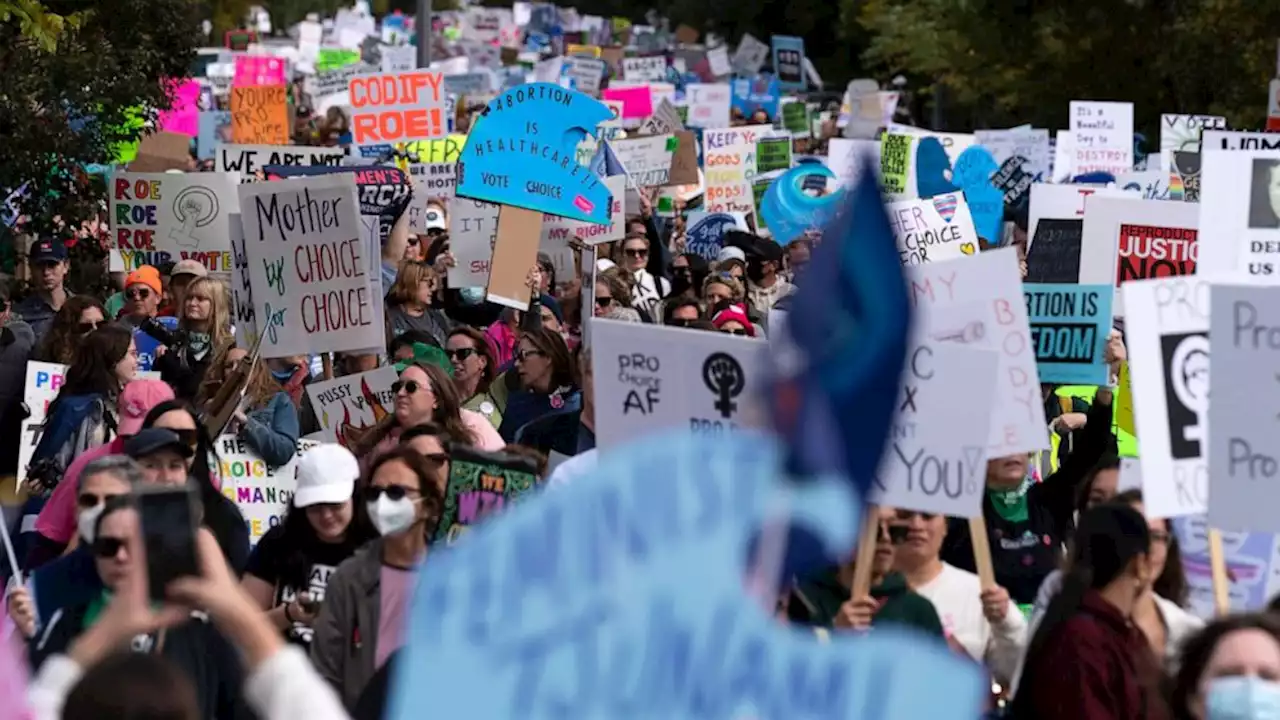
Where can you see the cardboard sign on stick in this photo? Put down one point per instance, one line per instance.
(514, 254)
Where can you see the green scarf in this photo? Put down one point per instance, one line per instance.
(1011, 505)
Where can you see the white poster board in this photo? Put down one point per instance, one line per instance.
(935, 229)
(1101, 137)
(1240, 212)
(650, 378)
(242, 161)
(168, 217)
(1167, 326)
(979, 301)
(308, 266)
(352, 403)
(262, 494)
(1127, 238)
(473, 229)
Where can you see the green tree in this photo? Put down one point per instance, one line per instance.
(73, 88)
(1003, 63)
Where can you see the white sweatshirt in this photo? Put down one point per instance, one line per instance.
(283, 687)
(956, 595)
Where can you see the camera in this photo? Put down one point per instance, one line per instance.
(172, 339)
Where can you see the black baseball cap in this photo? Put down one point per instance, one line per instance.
(47, 250)
(152, 440)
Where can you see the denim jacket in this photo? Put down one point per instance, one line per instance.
(272, 432)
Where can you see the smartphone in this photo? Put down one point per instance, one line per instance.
(169, 525)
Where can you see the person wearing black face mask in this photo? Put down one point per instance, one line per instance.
(688, 270)
(764, 285)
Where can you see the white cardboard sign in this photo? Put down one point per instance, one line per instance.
(936, 229)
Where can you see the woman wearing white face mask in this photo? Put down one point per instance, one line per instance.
(368, 598)
(1230, 671)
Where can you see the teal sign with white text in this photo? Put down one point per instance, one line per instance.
(522, 152)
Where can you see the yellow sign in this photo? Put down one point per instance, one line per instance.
(441, 150)
(592, 51)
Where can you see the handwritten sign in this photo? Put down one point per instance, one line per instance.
(162, 217)
(556, 231)
(586, 74)
(541, 124)
(499, 631)
(481, 485)
(352, 403)
(730, 166)
(644, 69)
(245, 161)
(979, 301)
(1069, 329)
(473, 230)
(647, 159)
(709, 104)
(260, 115)
(1101, 137)
(397, 107)
(1167, 334)
(704, 231)
(932, 230)
(936, 457)
(262, 494)
(306, 248)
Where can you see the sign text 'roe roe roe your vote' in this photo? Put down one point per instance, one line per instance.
(397, 107)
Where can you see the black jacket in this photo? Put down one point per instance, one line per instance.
(1023, 553)
(196, 647)
(182, 372)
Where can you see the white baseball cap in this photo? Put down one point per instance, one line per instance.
(327, 474)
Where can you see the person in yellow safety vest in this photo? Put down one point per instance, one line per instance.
(1074, 399)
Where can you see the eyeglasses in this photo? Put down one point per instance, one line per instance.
(88, 500)
(393, 493)
(524, 355)
(682, 270)
(740, 332)
(460, 353)
(409, 386)
(88, 327)
(108, 547)
(636, 252)
(138, 294)
(605, 301)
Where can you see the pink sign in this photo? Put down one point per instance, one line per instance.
(637, 102)
(184, 117)
(253, 70)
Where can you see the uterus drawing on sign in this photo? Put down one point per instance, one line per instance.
(194, 207)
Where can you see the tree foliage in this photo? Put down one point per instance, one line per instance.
(63, 110)
(1007, 62)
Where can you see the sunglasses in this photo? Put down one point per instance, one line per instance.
(409, 386)
(636, 252)
(680, 322)
(896, 534)
(605, 301)
(393, 493)
(139, 294)
(88, 327)
(88, 500)
(108, 547)
(524, 355)
(682, 270)
(460, 353)
(740, 332)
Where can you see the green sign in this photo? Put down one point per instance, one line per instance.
(773, 154)
(334, 58)
(795, 119)
(757, 189)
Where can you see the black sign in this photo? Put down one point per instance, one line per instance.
(1054, 255)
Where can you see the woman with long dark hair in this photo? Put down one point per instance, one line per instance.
(1087, 659)
(548, 382)
(79, 316)
(291, 565)
(474, 370)
(83, 415)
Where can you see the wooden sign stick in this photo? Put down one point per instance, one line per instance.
(866, 553)
(1218, 571)
(982, 552)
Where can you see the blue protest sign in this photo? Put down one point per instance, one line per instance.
(522, 152)
(146, 345)
(788, 61)
(788, 211)
(759, 93)
(1069, 328)
(704, 234)
(933, 168)
(625, 597)
(215, 127)
(973, 173)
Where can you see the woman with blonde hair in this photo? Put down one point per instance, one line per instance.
(409, 303)
(204, 331)
(269, 423)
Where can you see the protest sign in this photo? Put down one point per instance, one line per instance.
(644, 69)
(557, 231)
(1025, 142)
(682, 562)
(936, 458)
(1239, 212)
(708, 104)
(1056, 215)
(1151, 184)
(1131, 239)
(1069, 329)
(260, 115)
(651, 378)
(773, 154)
(848, 157)
(431, 180)
(243, 313)
(795, 119)
(549, 121)
(263, 494)
(1166, 328)
(162, 217)
(895, 164)
(399, 58)
(245, 161)
(184, 116)
(332, 58)
(1181, 133)
(751, 95)
(788, 61)
(749, 56)
(479, 82)
(586, 74)
(309, 266)
(729, 159)
(718, 61)
(637, 102)
(215, 128)
(664, 120)
(480, 485)
(256, 70)
(1101, 137)
(647, 160)
(352, 403)
(932, 230)
(397, 107)
(1242, 421)
(979, 301)
(473, 230)
(704, 231)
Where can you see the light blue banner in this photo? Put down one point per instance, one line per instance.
(1069, 328)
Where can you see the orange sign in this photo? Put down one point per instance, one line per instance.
(260, 115)
(398, 107)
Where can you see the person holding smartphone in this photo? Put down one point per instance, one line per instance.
(291, 565)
